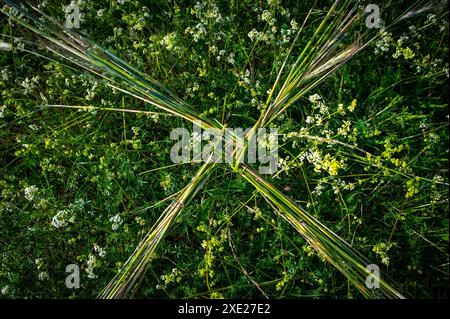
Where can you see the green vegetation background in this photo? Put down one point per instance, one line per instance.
(83, 187)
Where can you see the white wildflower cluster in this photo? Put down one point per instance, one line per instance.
(254, 35)
(223, 55)
(91, 264)
(431, 18)
(322, 163)
(34, 127)
(272, 34)
(168, 41)
(101, 252)
(317, 104)
(407, 48)
(5, 74)
(43, 275)
(6, 290)
(5, 46)
(285, 164)
(30, 192)
(63, 218)
(198, 32)
(2, 111)
(314, 98)
(172, 277)
(30, 84)
(267, 17)
(116, 221)
(77, 206)
(91, 92)
(207, 13)
(274, 3)
(338, 184)
(244, 78)
(230, 58)
(383, 44)
(190, 90)
(319, 188)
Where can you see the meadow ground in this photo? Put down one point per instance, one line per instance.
(85, 168)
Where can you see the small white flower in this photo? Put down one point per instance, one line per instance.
(310, 119)
(253, 35)
(100, 251)
(5, 290)
(43, 275)
(5, 46)
(116, 221)
(91, 263)
(266, 16)
(294, 25)
(62, 218)
(30, 192)
(314, 98)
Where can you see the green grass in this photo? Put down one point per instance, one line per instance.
(363, 176)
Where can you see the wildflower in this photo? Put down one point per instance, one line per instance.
(168, 41)
(431, 18)
(100, 251)
(382, 250)
(30, 192)
(77, 205)
(314, 98)
(39, 263)
(294, 25)
(43, 275)
(116, 221)
(30, 84)
(5, 74)
(5, 290)
(382, 45)
(274, 3)
(5, 46)
(91, 263)
(266, 16)
(310, 119)
(230, 58)
(62, 218)
(140, 220)
(253, 35)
